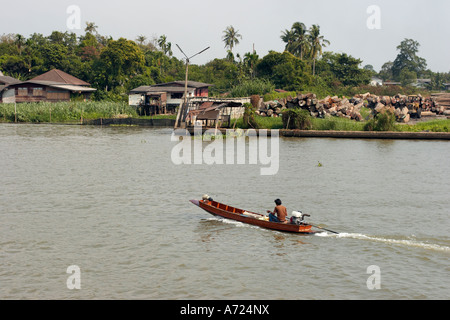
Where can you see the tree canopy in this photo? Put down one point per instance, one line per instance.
(116, 66)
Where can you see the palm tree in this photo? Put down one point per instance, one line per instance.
(231, 37)
(296, 39)
(317, 42)
(301, 39)
(288, 36)
(91, 27)
(19, 40)
(250, 60)
(141, 39)
(165, 46)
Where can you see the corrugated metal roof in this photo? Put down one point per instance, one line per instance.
(174, 86)
(57, 85)
(8, 80)
(193, 84)
(72, 88)
(151, 89)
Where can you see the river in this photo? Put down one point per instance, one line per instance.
(111, 204)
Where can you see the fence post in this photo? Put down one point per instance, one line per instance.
(15, 112)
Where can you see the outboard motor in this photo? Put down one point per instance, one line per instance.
(298, 217)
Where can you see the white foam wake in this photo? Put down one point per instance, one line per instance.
(405, 242)
(233, 222)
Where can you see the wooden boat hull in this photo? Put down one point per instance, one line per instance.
(222, 210)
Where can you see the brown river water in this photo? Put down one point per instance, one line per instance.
(111, 203)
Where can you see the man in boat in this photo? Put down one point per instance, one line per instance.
(207, 199)
(279, 214)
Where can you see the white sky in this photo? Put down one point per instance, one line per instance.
(197, 24)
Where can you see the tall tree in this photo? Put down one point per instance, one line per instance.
(285, 70)
(317, 42)
(141, 39)
(120, 60)
(250, 60)
(346, 69)
(408, 59)
(288, 37)
(301, 39)
(296, 39)
(91, 27)
(20, 42)
(231, 37)
(165, 46)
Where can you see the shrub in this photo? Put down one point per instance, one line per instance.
(249, 117)
(297, 119)
(384, 121)
(252, 87)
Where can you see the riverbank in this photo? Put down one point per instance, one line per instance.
(141, 122)
(295, 133)
(366, 134)
(111, 114)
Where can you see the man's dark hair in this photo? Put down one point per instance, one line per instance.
(278, 202)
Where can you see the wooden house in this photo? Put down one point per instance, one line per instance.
(4, 82)
(165, 97)
(51, 86)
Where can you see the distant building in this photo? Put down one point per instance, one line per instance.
(165, 97)
(446, 86)
(4, 82)
(392, 83)
(51, 86)
(376, 82)
(421, 83)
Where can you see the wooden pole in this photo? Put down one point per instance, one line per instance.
(15, 112)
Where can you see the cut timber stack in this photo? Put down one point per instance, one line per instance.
(443, 99)
(330, 106)
(404, 107)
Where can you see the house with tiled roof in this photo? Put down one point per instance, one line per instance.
(54, 85)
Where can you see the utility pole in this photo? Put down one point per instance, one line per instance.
(182, 109)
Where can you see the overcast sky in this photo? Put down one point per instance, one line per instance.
(197, 24)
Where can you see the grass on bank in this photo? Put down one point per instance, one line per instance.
(66, 112)
(63, 112)
(442, 125)
(343, 124)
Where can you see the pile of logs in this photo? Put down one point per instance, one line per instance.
(330, 106)
(404, 107)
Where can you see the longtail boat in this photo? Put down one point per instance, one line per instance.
(225, 211)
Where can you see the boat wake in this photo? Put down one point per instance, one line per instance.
(233, 222)
(404, 242)
(359, 236)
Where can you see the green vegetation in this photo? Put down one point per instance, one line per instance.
(61, 112)
(430, 126)
(74, 112)
(273, 96)
(337, 124)
(252, 87)
(297, 119)
(381, 122)
(114, 67)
